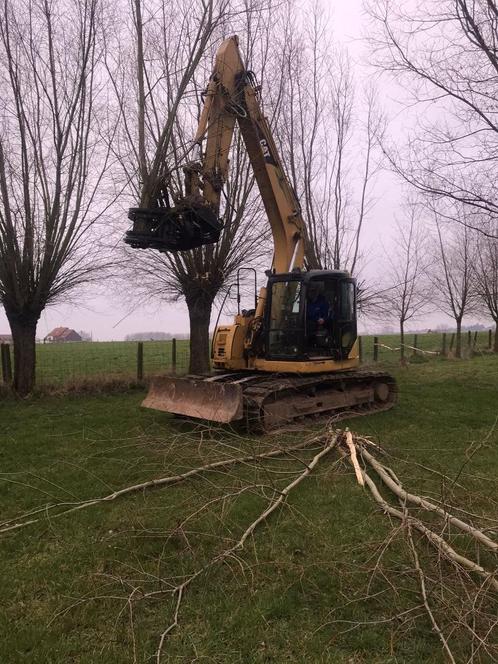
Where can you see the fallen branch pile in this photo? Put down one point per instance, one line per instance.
(474, 608)
(389, 479)
(457, 589)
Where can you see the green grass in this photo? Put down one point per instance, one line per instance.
(276, 603)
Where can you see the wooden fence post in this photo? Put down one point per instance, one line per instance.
(443, 345)
(376, 349)
(360, 349)
(173, 355)
(2, 356)
(490, 339)
(469, 338)
(452, 341)
(6, 363)
(474, 343)
(140, 360)
(415, 343)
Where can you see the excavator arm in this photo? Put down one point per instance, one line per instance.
(231, 96)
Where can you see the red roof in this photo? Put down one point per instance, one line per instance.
(61, 333)
(58, 332)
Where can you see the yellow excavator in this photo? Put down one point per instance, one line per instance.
(295, 354)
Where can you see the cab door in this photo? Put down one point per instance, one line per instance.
(284, 319)
(345, 328)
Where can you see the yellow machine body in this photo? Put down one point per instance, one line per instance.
(229, 353)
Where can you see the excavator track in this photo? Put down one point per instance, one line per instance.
(271, 401)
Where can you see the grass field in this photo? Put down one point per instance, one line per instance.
(63, 363)
(297, 591)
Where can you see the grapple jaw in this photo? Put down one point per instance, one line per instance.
(180, 228)
(201, 399)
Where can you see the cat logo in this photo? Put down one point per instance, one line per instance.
(266, 151)
(265, 148)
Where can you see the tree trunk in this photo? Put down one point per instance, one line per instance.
(495, 345)
(23, 330)
(402, 341)
(458, 349)
(199, 311)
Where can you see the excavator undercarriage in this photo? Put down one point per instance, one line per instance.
(264, 402)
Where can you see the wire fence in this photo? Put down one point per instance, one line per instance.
(64, 363)
(386, 349)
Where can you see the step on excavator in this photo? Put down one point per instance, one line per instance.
(296, 353)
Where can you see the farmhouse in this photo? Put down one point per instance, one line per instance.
(62, 334)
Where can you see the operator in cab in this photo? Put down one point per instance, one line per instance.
(317, 310)
(318, 316)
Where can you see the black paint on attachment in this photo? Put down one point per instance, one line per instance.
(179, 228)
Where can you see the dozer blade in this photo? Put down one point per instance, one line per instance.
(202, 399)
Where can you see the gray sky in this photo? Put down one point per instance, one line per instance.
(109, 317)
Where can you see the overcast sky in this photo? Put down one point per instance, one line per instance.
(109, 317)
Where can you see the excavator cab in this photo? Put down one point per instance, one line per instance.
(310, 315)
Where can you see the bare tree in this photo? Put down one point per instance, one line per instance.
(51, 163)
(329, 141)
(173, 53)
(445, 54)
(406, 295)
(452, 274)
(486, 279)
